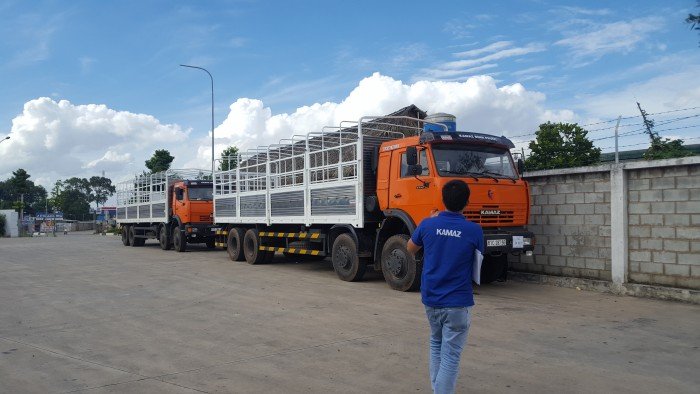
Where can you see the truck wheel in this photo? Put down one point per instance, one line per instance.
(164, 238)
(401, 270)
(179, 240)
(125, 236)
(133, 241)
(346, 262)
(251, 248)
(494, 268)
(234, 244)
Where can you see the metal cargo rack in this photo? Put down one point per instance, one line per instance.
(145, 198)
(317, 178)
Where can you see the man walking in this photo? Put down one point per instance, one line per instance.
(450, 243)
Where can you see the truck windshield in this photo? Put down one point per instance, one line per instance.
(200, 193)
(469, 160)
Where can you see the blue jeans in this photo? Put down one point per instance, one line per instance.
(448, 334)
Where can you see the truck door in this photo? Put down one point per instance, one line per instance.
(180, 207)
(408, 193)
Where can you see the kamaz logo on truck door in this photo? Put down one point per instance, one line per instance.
(449, 233)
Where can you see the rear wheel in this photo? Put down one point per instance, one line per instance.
(346, 262)
(179, 239)
(133, 241)
(164, 238)
(125, 236)
(251, 248)
(234, 244)
(401, 270)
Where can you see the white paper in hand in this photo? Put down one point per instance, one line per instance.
(476, 266)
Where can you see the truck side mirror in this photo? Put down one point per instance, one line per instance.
(521, 166)
(411, 156)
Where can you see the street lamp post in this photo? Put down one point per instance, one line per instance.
(6, 138)
(212, 113)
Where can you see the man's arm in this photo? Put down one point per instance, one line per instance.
(412, 248)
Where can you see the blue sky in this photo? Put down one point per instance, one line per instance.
(574, 61)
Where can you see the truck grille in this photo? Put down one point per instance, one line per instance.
(479, 215)
(205, 218)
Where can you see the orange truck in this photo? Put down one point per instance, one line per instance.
(356, 192)
(173, 206)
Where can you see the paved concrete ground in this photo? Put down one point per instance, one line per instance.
(83, 313)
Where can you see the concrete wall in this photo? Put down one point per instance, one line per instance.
(571, 220)
(664, 226)
(635, 222)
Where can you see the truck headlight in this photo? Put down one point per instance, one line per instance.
(527, 241)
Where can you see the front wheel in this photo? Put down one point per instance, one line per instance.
(179, 240)
(401, 270)
(346, 262)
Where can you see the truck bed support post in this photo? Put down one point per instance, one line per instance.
(618, 227)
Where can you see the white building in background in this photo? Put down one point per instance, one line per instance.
(11, 222)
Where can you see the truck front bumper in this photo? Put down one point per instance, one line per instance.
(502, 240)
(200, 231)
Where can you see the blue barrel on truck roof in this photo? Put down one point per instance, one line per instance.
(447, 119)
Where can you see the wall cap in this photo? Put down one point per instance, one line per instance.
(625, 165)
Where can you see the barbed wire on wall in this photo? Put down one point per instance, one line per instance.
(627, 130)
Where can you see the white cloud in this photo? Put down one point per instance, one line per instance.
(603, 39)
(496, 46)
(496, 51)
(479, 104)
(56, 140)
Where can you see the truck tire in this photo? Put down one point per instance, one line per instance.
(133, 241)
(346, 262)
(234, 244)
(179, 240)
(164, 238)
(125, 236)
(401, 270)
(494, 268)
(251, 248)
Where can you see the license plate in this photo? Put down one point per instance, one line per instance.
(496, 242)
(518, 242)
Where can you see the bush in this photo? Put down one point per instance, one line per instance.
(3, 221)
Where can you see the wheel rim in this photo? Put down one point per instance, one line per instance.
(397, 263)
(342, 258)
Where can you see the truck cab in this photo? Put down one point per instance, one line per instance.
(412, 171)
(191, 214)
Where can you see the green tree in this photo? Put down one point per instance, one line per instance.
(561, 145)
(75, 205)
(659, 148)
(20, 181)
(102, 189)
(56, 199)
(229, 161)
(160, 161)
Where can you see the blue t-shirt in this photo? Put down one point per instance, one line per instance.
(448, 242)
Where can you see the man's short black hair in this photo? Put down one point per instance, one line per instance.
(455, 195)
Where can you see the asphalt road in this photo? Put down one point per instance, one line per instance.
(82, 313)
